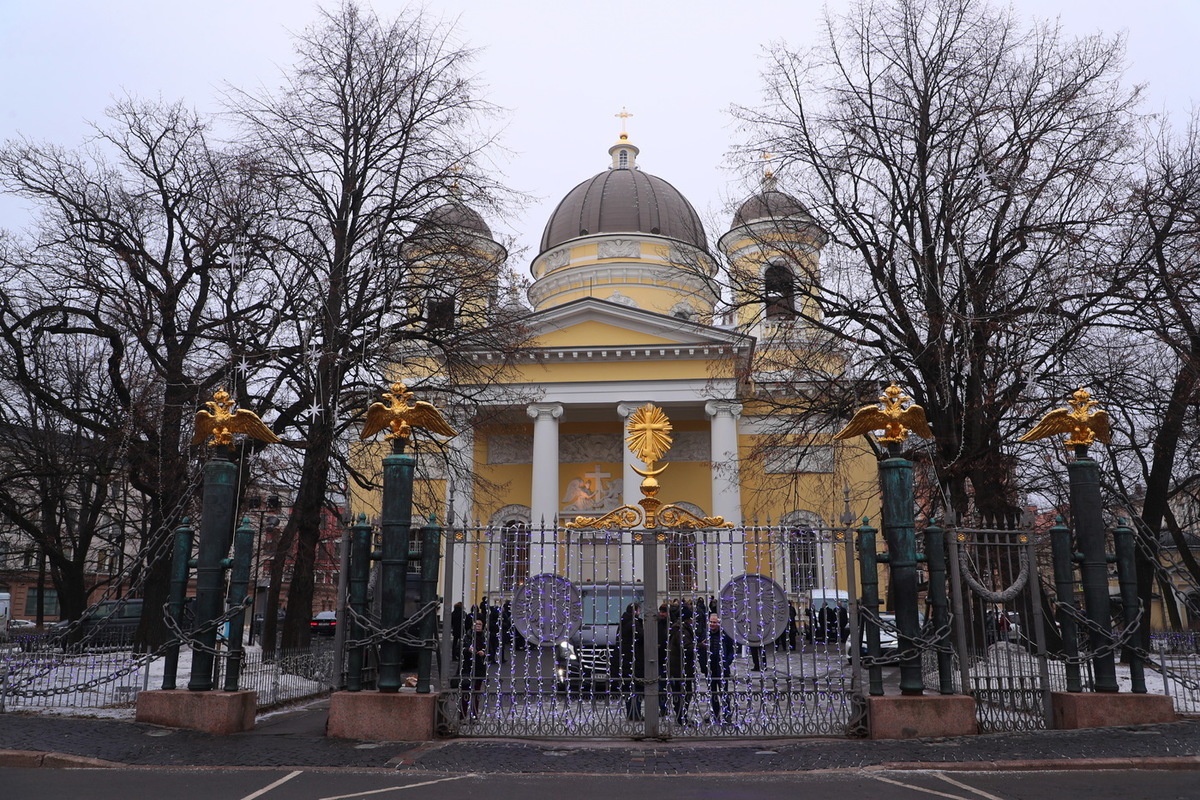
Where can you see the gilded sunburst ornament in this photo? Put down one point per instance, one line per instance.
(649, 433)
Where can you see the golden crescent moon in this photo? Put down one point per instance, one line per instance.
(650, 472)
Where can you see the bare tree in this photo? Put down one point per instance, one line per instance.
(372, 137)
(58, 483)
(132, 258)
(1147, 363)
(962, 166)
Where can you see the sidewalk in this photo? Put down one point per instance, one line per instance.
(296, 739)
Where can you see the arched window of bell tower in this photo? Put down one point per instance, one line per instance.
(779, 292)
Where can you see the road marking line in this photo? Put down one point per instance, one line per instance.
(398, 788)
(918, 788)
(969, 788)
(269, 787)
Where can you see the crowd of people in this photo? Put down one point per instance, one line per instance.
(691, 646)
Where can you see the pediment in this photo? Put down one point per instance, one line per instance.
(591, 323)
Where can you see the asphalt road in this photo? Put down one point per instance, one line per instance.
(220, 784)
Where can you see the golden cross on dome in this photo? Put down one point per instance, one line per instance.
(624, 115)
(767, 157)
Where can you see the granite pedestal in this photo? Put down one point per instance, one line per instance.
(383, 717)
(1109, 709)
(921, 716)
(219, 713)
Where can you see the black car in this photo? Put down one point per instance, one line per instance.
(324, 623)
(111, 623)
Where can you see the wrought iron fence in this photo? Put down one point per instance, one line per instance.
(1176, 657)
(586, 632)
(290, 674)
(56, 680)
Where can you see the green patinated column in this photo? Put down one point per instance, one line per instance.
(181, 564)
(1124, 548)
(431, 544)
(239, 583)
(360, 572)
(939, 599)
(396, 528)
(869, 571)
(1086, 514)
(216, 530)
(1064, 588)
(899, 531)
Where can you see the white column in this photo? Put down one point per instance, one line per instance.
(726, 486)
(460, 482)
(460, 504)
(630, 480)
(543, 501)
(632, 562)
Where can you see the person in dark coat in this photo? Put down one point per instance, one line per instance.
(793, 628)
(663, 682)
(681, 661)
(631, 660)
(457, 620)
(829, 624)
(473, 666)
(716, 661)
(506, 631)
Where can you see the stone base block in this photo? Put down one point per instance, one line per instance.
(923, 716)
(1106, 710)
(379, 717)
(220, 713)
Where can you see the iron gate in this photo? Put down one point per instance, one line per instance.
(998, 628)
(718, 632)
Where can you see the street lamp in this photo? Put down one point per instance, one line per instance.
(270, 517)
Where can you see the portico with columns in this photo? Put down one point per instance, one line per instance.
(624, 311)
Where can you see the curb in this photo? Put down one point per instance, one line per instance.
(1179, 763)
(27, 759)
(37, 758)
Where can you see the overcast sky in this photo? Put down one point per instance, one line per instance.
(561, 68)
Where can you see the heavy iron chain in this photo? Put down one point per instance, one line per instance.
(182, 637)
(399, 633)
(938, 640)
(11, 690)
(1006, 595)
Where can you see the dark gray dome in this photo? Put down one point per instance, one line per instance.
(624, 201)
(769, 204)
(455, 215)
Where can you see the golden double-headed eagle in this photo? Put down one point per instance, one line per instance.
(219, 423)
(1083, 421)
(890, 416)
(401, 415)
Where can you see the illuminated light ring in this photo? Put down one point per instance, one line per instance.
(547, 609)
(753, 609)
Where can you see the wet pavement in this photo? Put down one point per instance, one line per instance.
(296, 739)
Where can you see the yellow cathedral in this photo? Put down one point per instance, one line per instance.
(627, 307)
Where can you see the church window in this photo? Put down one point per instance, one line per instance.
(802, 559)
(514, 555)
(681, 562)
(440, 313)
(779, 292)
(623, 160)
